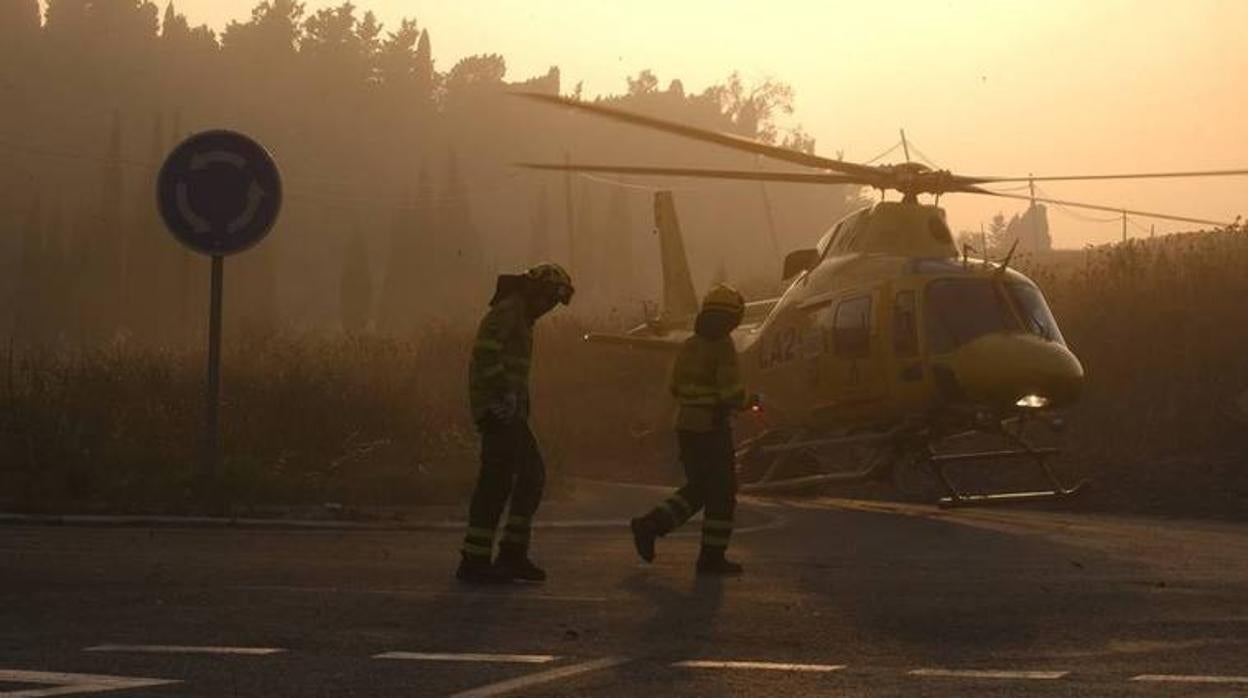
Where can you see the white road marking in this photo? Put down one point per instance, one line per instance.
(542, 677)
(185, 649)
(1183, 678)
(469, 657)
(762, 666)
(989, 674)
(61, 684)
(426, 594)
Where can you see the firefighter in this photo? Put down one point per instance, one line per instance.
(706, 382)
(512, 471)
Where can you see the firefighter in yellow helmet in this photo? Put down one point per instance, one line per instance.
(706, 382)
(512, 471)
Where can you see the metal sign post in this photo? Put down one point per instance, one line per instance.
(219, 193)
(212, 408)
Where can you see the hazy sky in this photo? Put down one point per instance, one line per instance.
(983, 87)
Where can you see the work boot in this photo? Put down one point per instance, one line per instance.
(717, 565)
(644, 535)
(479, 570)
(518, 566)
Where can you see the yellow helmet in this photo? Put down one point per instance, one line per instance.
(556, 276)
(724, 298)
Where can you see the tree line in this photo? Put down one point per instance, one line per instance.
(401, 200)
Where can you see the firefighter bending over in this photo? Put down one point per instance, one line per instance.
(706, 382)
(512, 470)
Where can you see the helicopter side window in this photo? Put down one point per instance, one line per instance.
(1035, 312)
(958, 311)
(905, 325)
(851, 331)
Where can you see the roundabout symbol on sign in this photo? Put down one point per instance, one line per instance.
(219, 193)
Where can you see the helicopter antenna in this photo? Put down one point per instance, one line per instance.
(905, 145)
(1005, 263)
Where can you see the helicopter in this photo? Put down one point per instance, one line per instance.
(889, 346)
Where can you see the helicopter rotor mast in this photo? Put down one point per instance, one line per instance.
(911, 179)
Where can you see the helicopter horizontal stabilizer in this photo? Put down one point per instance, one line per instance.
(671, 341)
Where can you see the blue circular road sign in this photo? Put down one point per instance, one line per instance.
(219, 192)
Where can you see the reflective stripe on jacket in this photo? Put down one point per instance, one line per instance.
(706, 381)
(501, 357)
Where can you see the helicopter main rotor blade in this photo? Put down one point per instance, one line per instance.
(709, 136)
(1076, 178)
(1095, 207)
(743, 175)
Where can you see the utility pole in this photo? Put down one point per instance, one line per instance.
(771, 217)
(568, 214)
(1035, 219)
(1124, 226)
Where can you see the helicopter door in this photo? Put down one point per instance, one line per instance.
(854, 361)
(906, 372)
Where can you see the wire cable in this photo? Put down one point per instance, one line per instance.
(884, 154)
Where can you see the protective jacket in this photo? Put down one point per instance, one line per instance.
(706, 381)
(501, 355)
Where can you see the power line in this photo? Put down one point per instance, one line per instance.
(884, 154)
(925, 159)
(1078, 215)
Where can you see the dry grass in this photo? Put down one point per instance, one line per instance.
(365, 420)
(359, 420)
(1161, 327)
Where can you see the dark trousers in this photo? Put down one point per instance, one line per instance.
(511, 469)
(709, 461)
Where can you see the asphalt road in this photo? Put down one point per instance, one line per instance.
(840, 598)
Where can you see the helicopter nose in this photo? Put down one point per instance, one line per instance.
(1004, 368)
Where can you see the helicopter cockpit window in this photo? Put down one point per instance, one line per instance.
(851, 331)
(905, 325)
(825, 243)
(939, 230)
(957, 311)
(1035, 312)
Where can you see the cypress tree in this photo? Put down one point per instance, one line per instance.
(467, 262)
(424, 73)
(539, 244)
(30, 278)
(401, 267)
(107, 253)
(619, 246)
(355, 288)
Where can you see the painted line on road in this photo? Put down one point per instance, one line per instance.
(62, 684)
(760, 666)
(543, 677)
(989, 674)
(517, 593)
(185, 649)
(1185, 678)
(469, 657)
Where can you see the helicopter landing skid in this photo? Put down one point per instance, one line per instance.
(885, 449)
(771, 481)
(955, 498)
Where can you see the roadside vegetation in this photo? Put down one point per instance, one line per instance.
(365, 420)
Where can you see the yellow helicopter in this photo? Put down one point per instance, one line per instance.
(890, 345)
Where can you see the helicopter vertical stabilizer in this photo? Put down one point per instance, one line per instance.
(680, 301)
